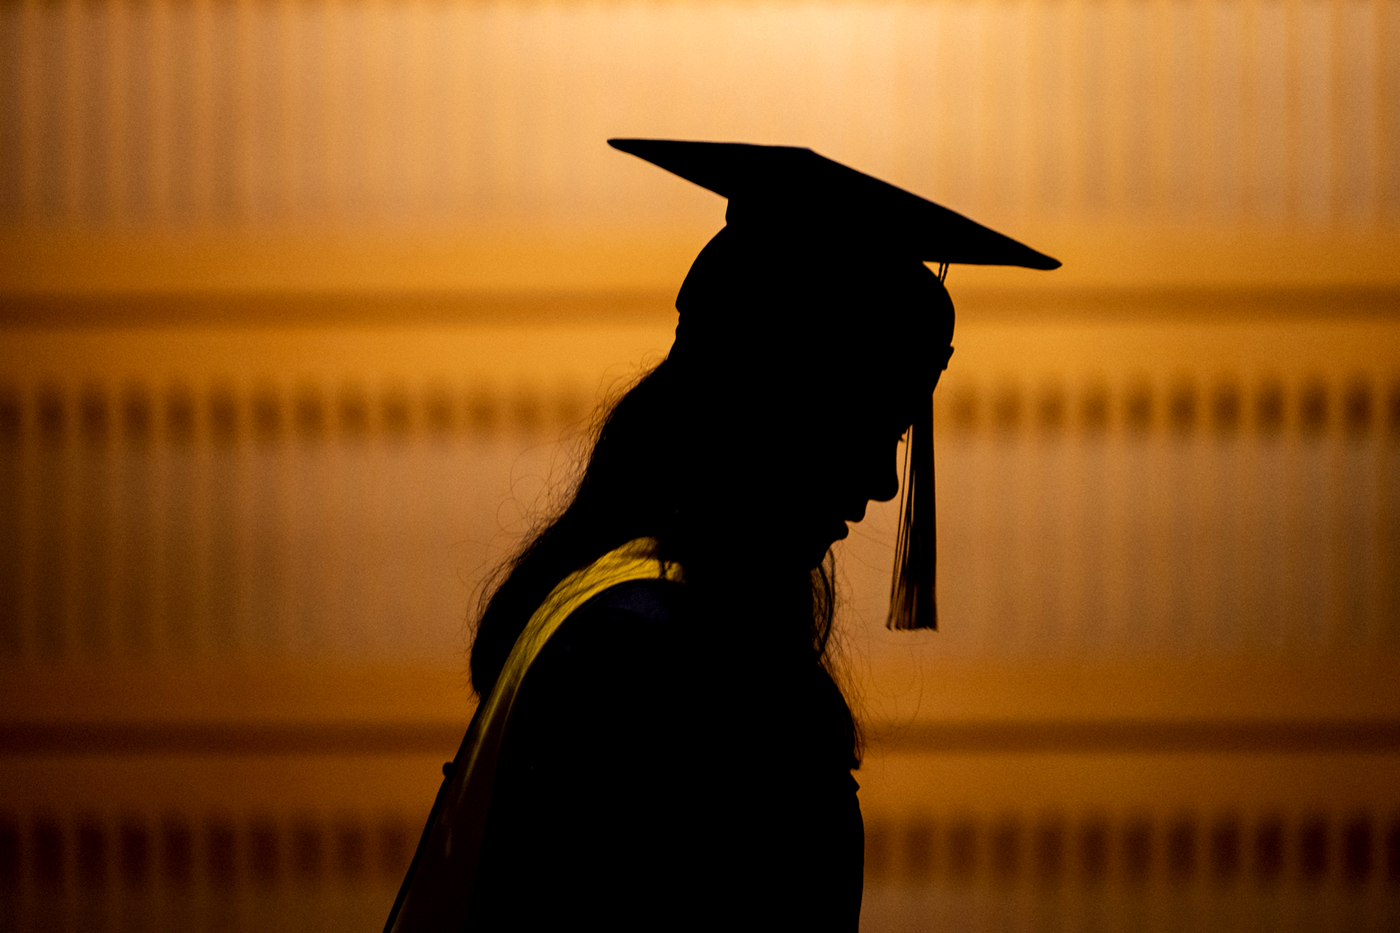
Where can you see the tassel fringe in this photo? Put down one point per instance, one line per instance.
(912, 602)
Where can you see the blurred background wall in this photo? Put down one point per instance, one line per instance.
(306, 306)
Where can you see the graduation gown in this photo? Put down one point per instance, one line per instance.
(650, 773)
(644, 782)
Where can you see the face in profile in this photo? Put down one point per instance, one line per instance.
(831, 468)
(810, 367)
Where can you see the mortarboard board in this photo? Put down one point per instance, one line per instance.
(798, 188)
(794, 195)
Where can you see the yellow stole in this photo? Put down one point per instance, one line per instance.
(437, 893)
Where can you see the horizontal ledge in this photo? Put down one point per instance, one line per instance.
(218, 308)
(648, 257)
(233, 739)
(1022, 737)
(332, 308)
(1152, 737)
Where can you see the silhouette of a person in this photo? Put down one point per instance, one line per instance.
(660, 743)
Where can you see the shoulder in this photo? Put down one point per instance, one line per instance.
(614, 685)
(653, 609)
(632, 638)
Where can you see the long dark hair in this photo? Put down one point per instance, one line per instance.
(645, 474)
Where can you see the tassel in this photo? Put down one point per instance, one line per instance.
(912, 603)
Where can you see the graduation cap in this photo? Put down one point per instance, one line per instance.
(793, 200)
(794, 187)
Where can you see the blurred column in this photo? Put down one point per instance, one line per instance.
(227, 571)
(181, 539)
(52, 562)
(310, 576)
(1232, 505)
(1316, 542)
(1269, 569)
(94, 527)
(1356, 506)
(137, 546)
(265, 510)
(12, 494)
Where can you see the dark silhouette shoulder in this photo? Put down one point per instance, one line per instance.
(626, 787)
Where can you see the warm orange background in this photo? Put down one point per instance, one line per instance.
(304, 308)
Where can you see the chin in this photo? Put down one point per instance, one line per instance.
(815, 550)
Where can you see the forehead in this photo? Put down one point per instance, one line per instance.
(882, 336)
(815, 330)
(811, 291)
(882, 402)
